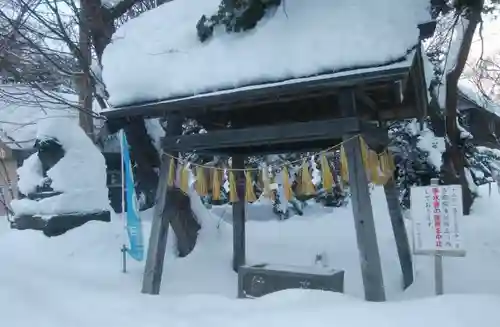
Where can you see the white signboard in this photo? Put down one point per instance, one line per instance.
(435, 212)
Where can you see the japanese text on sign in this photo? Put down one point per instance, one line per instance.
(435, 212)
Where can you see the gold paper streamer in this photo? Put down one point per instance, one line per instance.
(215, 184)
(287, 188)
(171, 173)
(201, 182)
(374, 167)
(233, 194)
(306, 184)
(344, 170)
(209, 178)
(249, 192)
(326, 174)
(390, 161)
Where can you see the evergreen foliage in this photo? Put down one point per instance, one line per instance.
(234, 16)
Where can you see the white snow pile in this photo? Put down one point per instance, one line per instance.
(332, 35)
(433, 145)
(22, 107)
(493, 165)
(199, 290)
(80, 175)
(155, 131)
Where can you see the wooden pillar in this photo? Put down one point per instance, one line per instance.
(398, 226)
(145, 157)
(371, 268)
(163, 210)
(239, 252)
(153, 270)
(399, 230)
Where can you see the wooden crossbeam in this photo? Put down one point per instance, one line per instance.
(266, 135)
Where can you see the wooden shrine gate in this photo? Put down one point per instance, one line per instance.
(308, 115)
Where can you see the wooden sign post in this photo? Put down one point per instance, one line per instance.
(435, 212)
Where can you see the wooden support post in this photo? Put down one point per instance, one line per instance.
(371, 268)
(399, 230)
(151, 282)
(145, 157)
(238, 162)
(163, 210)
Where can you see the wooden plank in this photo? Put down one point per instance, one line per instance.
(153, 270)
(427, 29)
(263, 149)
(256, 95)
(183, 221)
(371, 268)
(314, 109)
(376, 137)
(239, 251)
(398, 112)
(269, 135)
(399, 231)
(163, 210)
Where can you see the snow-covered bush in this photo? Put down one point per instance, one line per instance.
(417, 154)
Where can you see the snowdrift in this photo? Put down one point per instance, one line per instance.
(64, 182)
(40, 275)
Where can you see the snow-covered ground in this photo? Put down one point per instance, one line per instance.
(75, 279)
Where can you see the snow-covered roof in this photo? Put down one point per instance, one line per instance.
(21, 107)
(466, 88)
(472, 92)
(158, 56)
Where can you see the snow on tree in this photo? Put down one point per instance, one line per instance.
(450, 54)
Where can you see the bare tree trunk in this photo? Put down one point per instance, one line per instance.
(85, 86)
(455, 157)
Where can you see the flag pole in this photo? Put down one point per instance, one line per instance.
(124, 247)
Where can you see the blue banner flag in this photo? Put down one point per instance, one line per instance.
(133, 219)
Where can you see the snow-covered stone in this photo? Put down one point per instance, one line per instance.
(80, 175)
